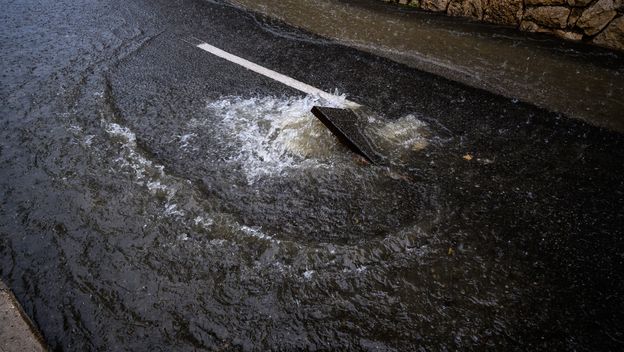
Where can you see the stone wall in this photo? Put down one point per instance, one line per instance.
(596, 21)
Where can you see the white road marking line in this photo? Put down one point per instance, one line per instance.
(291, 82)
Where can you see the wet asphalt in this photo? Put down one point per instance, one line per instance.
(518, 211)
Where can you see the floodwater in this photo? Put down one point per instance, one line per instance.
(581, 82)
(153, 198)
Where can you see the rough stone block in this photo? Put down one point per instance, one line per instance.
(575, 14)
(466, 8)
(613, 35)
(579, 3)
(568, 35)
(596, 20)
(434, 5)
(529, 26)
(597, 16)
(548, 16)
(502, 11)
(544, 2)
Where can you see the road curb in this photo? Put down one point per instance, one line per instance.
(17, 331)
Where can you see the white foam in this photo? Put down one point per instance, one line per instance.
(308, 274)
(155, 186)
(88, 139)
(185, 140)
(255, 232)
(279, 135)
(406, 133)
(123, 132)
(276, 134)
(172, 209)
(203, 221)
(152, 175)
(145, 172)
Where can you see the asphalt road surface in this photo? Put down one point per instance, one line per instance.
(155, 197)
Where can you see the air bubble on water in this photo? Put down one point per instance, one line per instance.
(185, 140)
(308, 274)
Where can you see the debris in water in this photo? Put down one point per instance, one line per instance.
(467, 157)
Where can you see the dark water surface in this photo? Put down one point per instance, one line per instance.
(153, 197)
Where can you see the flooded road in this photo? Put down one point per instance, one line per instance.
(579, 81)
(154, 197)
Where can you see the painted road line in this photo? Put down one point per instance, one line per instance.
(291, 82)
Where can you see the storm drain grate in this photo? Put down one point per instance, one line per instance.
(346, 125)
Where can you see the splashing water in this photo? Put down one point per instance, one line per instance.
(278, 135)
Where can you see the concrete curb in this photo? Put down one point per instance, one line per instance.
(17, 332)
